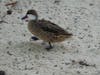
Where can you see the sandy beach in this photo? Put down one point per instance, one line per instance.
(77, 56)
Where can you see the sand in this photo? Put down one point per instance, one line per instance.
(77, 56)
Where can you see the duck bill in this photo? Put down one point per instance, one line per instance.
(24, 17)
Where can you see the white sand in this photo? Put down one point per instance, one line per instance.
(19, 56)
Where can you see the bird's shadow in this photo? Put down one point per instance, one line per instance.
(35, 47)
(29, 46)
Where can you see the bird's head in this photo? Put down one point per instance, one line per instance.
(31, 15)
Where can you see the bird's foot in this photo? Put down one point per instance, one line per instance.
(33, 38)
(48, 48)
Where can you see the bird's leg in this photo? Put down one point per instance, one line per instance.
(49, 47)
(34, 38)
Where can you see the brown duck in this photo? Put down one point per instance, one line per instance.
(45, 30)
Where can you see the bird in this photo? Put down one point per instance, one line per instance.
(45, 29)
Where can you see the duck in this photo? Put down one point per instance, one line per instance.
(45, 30)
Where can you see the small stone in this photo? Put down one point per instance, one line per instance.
(0, 28)
(73, 61)
(18, 17)
(67, 63)
(43, 56)
(63, 52)
(57, 2)
(55, 65)
(91, 4)
(37, 72)
(2, 72)
(61, 68)
(83, 63)
(78, 72)
(9, 53)
(10, 42)
(14, 31)
(90, 35)
(37, 57)
(7, 47)
(9, 12)
(29, 49)
(24, 35)
(89, 46)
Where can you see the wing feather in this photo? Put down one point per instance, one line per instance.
(51, 27)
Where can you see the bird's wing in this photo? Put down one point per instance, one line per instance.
(51, 27)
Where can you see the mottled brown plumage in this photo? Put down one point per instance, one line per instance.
(46, 30)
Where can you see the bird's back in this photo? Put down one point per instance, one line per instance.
(51, 28)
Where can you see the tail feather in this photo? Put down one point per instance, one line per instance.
(68, 35)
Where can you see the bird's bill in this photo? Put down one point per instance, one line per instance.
(24, 17)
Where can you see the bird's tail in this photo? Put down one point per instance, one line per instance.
(69, 35)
